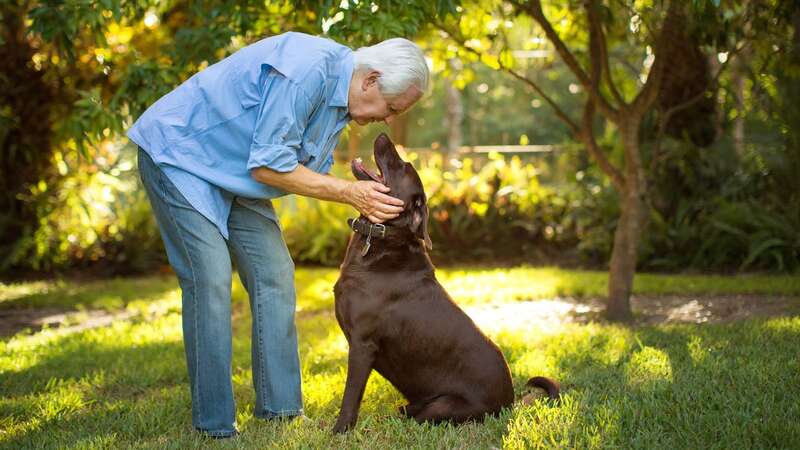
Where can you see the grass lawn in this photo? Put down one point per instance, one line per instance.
(726, 385)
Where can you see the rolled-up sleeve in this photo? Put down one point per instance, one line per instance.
(282, 119)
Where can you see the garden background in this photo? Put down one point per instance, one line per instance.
(633, 161)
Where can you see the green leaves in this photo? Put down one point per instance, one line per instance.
(67, 24)
(360, 23)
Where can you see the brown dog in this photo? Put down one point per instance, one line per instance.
(399, 320)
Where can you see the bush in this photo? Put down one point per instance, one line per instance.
(479, 210)
(718, 210)
(98, 219)
(710, 212)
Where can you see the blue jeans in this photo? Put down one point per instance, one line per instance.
(201, 258)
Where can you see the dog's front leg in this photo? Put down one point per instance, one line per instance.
(359, 366)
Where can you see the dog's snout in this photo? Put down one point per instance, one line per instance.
(383, 139)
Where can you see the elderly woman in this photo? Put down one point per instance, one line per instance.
(259, 124)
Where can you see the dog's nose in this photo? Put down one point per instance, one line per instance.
(382, 139)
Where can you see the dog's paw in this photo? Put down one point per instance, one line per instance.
(343, 426)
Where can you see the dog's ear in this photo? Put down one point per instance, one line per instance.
(419, 221)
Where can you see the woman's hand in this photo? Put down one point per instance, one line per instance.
(370, 199)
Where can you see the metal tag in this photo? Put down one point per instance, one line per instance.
(366, 247)
(368, 243)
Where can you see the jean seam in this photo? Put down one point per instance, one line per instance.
(195, 320)
(256, 307)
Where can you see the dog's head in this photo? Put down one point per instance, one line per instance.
(404, 182)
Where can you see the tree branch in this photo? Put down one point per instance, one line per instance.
(648, 26)
(587, 136)
(534, 9)
(559, 112)
(585, 133)
(598, 43)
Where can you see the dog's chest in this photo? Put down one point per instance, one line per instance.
(362, 299)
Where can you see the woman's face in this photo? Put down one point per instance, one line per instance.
(366, 104)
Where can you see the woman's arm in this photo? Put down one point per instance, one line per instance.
(368, 197)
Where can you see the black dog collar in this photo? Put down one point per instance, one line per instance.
(368, 229)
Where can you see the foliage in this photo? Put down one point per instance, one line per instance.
(497, 109)
(497, 207)
(496, 210)
(481, 209)
(358, 23)
(75, 74)
(316, 232)
(100, 219)
(681, 386)
(719, 210)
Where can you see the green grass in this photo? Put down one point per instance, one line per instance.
(730, 385)
(468, 286)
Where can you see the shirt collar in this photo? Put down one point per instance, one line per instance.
(345, 75)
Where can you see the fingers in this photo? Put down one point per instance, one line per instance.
(375, 204)
(379, 216)
(378, 186)
(380, 194)
(389, 200)
(383, 207)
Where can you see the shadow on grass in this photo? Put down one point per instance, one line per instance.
(153, 414)
(106, 294)
(106, 364)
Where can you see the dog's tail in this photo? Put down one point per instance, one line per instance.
(548, 384)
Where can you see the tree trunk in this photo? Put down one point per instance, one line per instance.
(739, 75)
(629, 228)
(26, 102)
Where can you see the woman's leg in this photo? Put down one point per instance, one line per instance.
(267, 272)
(200, 257)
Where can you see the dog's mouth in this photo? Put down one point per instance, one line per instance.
(362, 173)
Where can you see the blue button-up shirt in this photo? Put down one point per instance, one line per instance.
(277, 103)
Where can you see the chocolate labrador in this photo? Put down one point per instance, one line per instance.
(401, 322)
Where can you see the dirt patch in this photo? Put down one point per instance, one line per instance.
(548, 314)
(12, 321)
(649, 310)
(727, 308)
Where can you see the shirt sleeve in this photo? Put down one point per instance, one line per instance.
(281, 122)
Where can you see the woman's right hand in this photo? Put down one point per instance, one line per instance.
(370, 199)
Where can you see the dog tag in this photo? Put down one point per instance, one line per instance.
(366, 247)
(368, 243)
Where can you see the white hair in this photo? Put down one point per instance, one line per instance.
(400, 62)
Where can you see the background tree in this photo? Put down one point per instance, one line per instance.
(624, 90)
